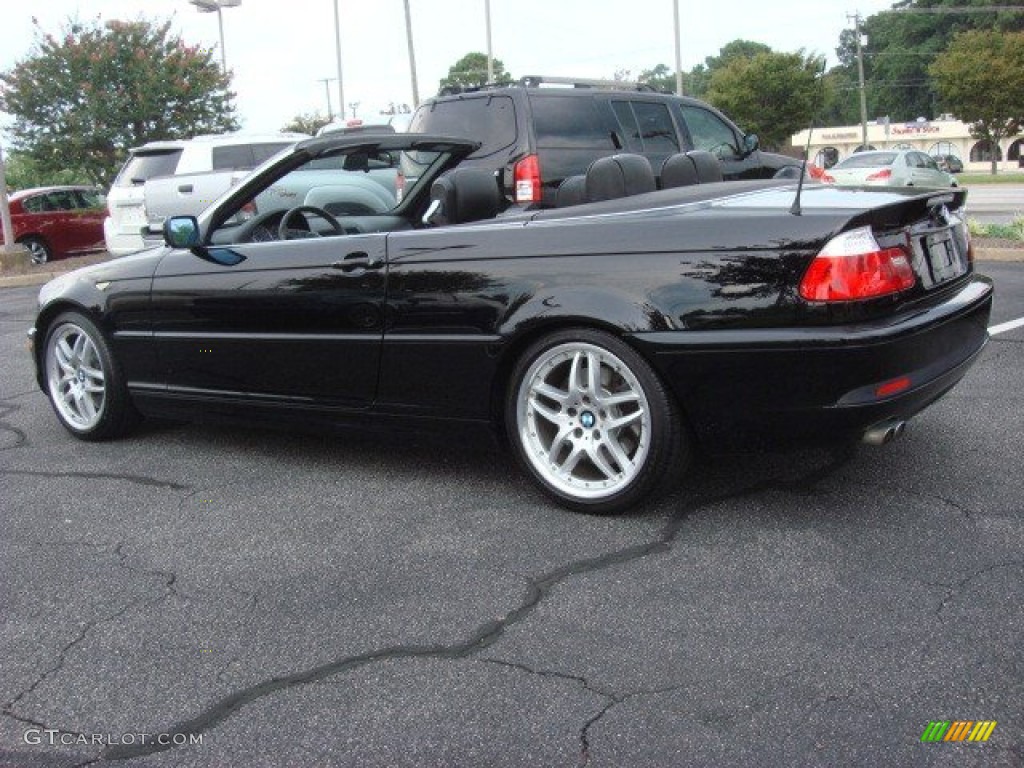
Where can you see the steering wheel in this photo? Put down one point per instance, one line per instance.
(286, 232)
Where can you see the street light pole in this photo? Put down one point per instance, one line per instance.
(412, 57)
(337, 50)
(215, 6)
(490, 54)
(679, 56)
(327, 90)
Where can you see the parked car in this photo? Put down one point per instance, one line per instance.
(949, 163)
(890, 168)
(542, 130)
(57, 221)
(133, 208)
(608, 341)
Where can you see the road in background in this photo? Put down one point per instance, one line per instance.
(995, 203)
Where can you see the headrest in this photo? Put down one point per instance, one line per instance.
(571, 191)
(464, 194)
(708, 167)
(678, 170)
(618, 176)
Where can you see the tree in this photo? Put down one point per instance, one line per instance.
(471, 72)
(979, 79)
(771, 94)
(308, 123)
(80, 100)
(902, 43)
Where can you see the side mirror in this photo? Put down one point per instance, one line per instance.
(750, 143)
(181, 232)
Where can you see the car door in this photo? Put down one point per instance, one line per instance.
(283, 322)
(84, 222)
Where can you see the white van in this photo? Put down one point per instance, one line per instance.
(126, 201)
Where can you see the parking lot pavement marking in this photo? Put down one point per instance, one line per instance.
(1007, 326)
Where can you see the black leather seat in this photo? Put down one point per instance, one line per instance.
(608, 178)
(462, 195)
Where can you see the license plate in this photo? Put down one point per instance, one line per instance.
(944, 259)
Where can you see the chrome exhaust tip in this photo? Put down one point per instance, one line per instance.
(884, 432)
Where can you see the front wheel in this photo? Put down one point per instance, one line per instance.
(83, 380)
(592, 423)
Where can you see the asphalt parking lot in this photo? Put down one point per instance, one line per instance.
(276, 599)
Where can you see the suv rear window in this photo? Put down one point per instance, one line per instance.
(491, 119)
(146, 165)
(564, 122)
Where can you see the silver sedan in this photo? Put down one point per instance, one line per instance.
(891, 168)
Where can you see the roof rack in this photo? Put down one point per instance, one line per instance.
(534, 81)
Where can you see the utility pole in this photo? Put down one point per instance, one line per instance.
(860, 77)
(327, 90)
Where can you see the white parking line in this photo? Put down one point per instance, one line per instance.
(1004, 327)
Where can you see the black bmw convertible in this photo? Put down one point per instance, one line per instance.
(653, 313)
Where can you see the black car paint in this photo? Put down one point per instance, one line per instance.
(700, 280)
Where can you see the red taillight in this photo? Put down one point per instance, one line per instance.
(527, 179)
(881, 175)
(854, 266)
(399, 187)
(827, 178)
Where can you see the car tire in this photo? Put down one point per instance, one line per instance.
(39, 251)
(84, 381)
(592, 423)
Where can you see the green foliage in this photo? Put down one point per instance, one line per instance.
(902, 44)
(980, 79)
(308, 123)
(23, 173)
(471, 72)
(81, 99)
(771, 94)
(1012, 231)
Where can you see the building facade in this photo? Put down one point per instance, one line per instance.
(944, 136)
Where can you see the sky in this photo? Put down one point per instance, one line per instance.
(281, 50)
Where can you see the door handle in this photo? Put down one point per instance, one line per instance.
(357, 261)
(185, 189)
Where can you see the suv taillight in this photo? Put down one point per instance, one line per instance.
(854, 266)
(527, 180)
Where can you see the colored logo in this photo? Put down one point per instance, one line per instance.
(958, 730)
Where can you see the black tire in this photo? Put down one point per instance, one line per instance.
(84, 381)
(604, 443)
(39, 250)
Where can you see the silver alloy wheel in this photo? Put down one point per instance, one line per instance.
(37, 251)
(583, 420)
(74, 372)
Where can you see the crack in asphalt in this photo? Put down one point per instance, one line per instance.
(9, 708)
(486, 634)
(152, 482)
(958, 586)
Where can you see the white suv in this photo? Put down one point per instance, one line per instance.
(126, 202)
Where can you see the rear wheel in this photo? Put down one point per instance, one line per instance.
(38, 250)
(592, 423)
(83, 380)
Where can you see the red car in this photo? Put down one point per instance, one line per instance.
(58, 221)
